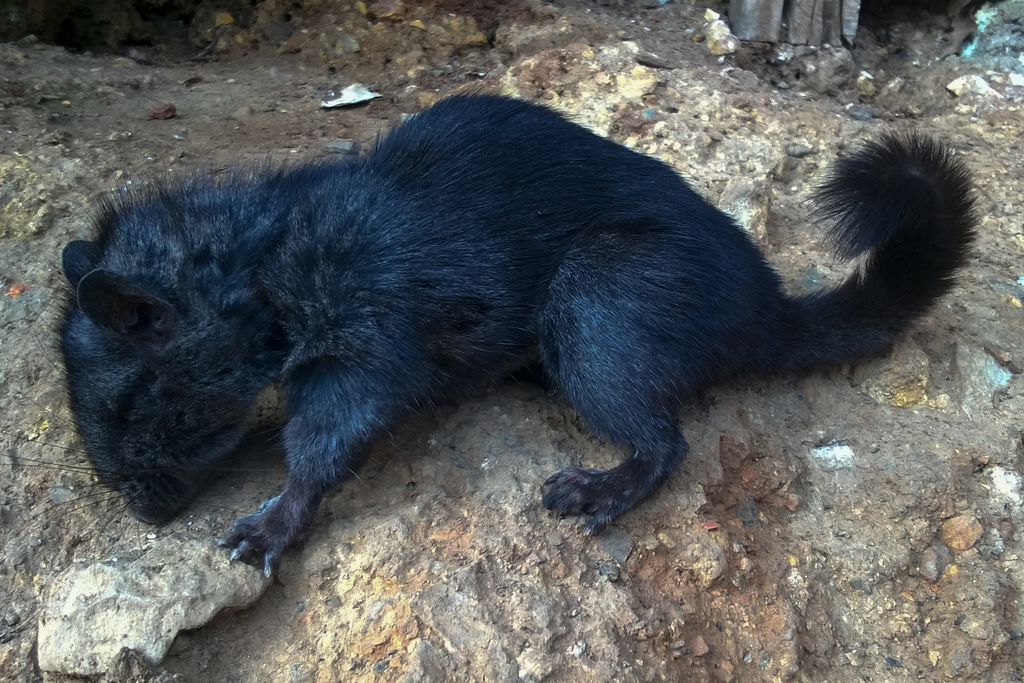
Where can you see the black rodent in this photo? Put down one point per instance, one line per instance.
(481, 234)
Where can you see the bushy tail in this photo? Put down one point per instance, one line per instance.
(907, 203)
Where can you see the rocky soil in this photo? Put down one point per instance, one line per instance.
(863, 522)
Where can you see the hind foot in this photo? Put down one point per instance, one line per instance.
(580, 491)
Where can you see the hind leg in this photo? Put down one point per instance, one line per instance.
(619, 339)
(604, 495)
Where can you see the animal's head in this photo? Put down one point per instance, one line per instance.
(164, 361)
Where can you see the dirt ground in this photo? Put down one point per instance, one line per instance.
(858, 523)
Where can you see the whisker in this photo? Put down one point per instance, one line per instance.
(54, 415)
(213, 506)
(33, 331)
(262, 432)
(87, 500)
(39, 463)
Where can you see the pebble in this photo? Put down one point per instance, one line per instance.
(618, 544)
(609, 570)
(340, 146)
(960, 533)
(799, 150)
(163, 111)
(933, 562)
(535, 664)
(61, 495)
(705, 559)
(862, 112)
(746, 511)
(866, 84)
(972, 84)
(719, 38)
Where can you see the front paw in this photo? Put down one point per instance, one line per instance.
(264, 534)
(581, 491)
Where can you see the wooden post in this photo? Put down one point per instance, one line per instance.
(808, 22)
(756, 20)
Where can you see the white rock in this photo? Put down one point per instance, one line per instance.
(833, 457)
(972, 84)
(96, 610)
(1007, 484)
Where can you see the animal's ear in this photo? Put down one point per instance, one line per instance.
(77, 259)
(131, 313)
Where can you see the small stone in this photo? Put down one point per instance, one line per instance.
(654, 61)
(346, 44)
(720, 40)
(164, 111)
(979, 377)
(340, 146)
(799, 150)
(295, 42)
(618, 544)
(609, 570)
(976, 626)
(1007, 484)
(834, 457)
(1004, 357)
(866, 84)
(933, 562)
(972, 84)
(961, 533)
(900, 379)
(862, 112)
(61, 495)
(746, 511)
(706, 559)
(698, 648)
(389, 10)
(535, 664)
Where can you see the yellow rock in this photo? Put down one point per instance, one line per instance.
(961, 532)
(902, 379)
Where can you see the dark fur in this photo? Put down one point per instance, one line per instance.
(481, 234)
